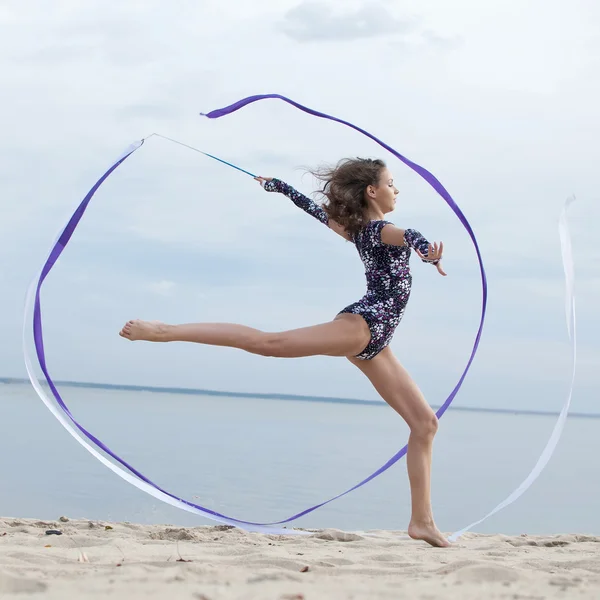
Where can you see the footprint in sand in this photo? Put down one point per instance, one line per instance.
(542, 543)
(388, 558)
(173, 535)
(273, 577)
(275, 563)
(334, 535)
(485, 574)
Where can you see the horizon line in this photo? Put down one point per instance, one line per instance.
(288, 397)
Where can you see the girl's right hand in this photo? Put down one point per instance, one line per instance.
(263, 180)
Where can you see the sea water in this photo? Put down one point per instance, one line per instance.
(265, 459)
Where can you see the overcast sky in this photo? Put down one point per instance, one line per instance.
(498, 99)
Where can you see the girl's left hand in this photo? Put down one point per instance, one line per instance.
(434, 252)
(440, 270)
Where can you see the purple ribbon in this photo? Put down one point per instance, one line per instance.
(67, 233)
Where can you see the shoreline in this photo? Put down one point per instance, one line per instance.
(94, 559)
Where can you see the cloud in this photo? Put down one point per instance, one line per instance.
(156, 112)
(441, 41)
(316, 22)
(162, 288)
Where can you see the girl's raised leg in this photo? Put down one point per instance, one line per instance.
(398, 389)
(346, 335)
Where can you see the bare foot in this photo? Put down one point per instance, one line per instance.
(149, 331)
(428, 533)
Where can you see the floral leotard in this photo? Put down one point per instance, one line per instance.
(386, 269)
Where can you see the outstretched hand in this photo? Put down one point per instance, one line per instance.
(434, 253)
(263, 180)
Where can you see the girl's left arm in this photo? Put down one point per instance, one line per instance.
(428, 253)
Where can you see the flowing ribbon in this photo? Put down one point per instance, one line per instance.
(128, 472)
(569, 268)
(441, 190)
(33, 305)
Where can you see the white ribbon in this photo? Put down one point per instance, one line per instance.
(68, 425)
(567, 258)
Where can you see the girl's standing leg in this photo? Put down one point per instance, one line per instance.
(396, 387)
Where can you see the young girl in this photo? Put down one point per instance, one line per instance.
(358, 193)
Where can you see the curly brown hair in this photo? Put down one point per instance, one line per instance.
(344, 189)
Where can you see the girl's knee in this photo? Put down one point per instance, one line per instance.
(426, 427)
(269, 344)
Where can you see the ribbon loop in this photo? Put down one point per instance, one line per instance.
(97, 448)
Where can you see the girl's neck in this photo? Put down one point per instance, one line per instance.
(374, 214)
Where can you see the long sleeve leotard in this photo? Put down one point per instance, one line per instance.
(387, 271)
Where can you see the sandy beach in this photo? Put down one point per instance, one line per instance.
(123, 560)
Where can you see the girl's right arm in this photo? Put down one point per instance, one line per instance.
(272, 184)
(300, 200)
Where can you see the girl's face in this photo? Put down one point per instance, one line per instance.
(384, 195)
